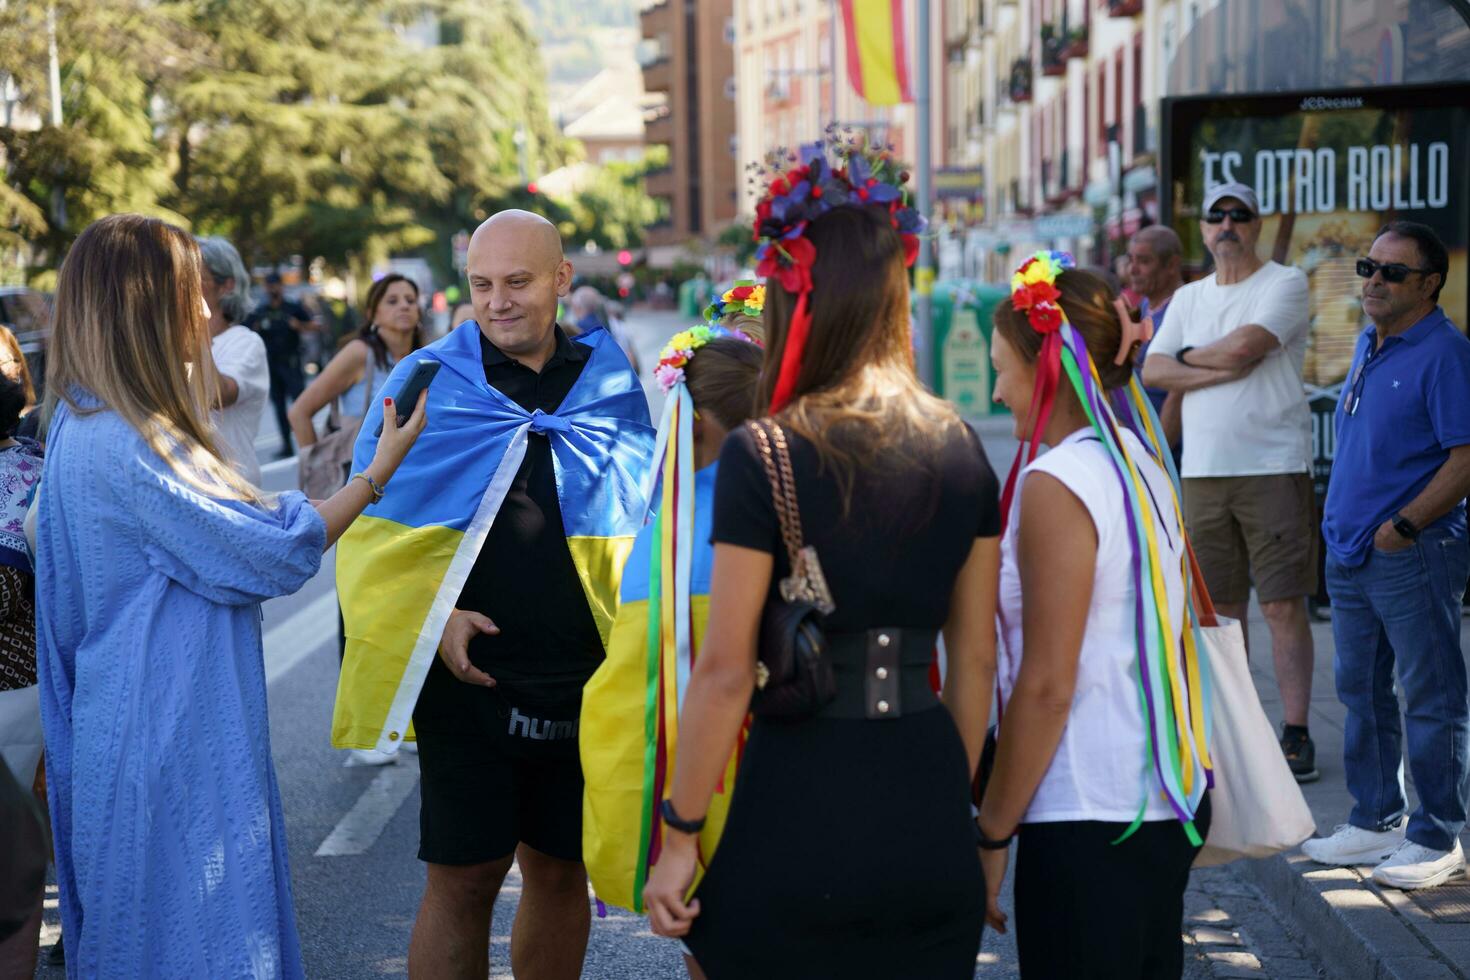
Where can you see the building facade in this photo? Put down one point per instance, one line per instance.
(689, 59)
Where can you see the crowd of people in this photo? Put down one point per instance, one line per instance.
(739, 668)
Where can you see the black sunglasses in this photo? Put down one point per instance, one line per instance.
(1238, 215)
(1392, 271)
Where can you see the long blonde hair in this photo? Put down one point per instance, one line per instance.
(130, 328)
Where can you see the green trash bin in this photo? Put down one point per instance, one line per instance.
(962, 312)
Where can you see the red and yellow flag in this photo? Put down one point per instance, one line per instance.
(877, 50)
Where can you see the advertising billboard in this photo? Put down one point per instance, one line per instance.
(1330, 169)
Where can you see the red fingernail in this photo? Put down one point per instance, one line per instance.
(387, 401)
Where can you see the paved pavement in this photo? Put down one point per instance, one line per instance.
(353, 832)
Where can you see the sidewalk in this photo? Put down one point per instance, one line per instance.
(1360, 930)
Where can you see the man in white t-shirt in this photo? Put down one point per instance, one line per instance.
(1233, 343)
(239, 356)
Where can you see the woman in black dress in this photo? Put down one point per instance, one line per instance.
(849, 849)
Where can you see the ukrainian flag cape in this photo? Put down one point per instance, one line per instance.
(630, 707)
(402, 564)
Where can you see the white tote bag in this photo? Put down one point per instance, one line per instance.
(1256, 807)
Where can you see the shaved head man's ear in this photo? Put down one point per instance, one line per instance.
(517, 271)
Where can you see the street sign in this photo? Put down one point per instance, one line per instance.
(460, 244)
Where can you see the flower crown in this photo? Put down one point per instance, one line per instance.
(1034, 289)
(747, 296)
(681, 347)
(856, 173)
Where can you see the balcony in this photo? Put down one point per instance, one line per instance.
(1019, 85)
(658, 75)
(660, 182)
(1125, 8)
(1076, 43)
(660, 128)
(655, 20)
(1053, 50)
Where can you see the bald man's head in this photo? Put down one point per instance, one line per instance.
(516, 273)
(1155, 263)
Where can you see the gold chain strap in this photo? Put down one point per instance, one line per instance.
(782, 490)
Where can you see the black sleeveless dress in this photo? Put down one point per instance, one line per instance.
(849, 849)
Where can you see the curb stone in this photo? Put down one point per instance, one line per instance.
(1369, 939)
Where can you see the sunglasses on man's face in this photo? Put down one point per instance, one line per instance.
(1240, 216)
(1394, 272)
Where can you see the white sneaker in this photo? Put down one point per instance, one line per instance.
(368, 757)
(1416, 866)
(1351, 845)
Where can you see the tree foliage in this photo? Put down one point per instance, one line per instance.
(312, 127)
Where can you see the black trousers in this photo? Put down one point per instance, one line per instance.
(1087, 909)
(287, 383)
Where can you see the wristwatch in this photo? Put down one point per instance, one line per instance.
(1404, 526)
(1180, 356)
(672, 818)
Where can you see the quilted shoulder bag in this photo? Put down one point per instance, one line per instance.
(794, 676)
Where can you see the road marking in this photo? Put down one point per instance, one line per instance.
(364, 823)
(302, 633)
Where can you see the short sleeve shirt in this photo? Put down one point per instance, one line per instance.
(273, 323)
(1402, 409)
(1259, 424)
(891, 555)
(239, 354)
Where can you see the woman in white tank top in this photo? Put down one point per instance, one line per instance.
(1099, 769)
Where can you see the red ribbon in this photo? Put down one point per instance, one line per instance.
(801, 328)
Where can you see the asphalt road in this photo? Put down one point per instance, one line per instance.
(353, 832)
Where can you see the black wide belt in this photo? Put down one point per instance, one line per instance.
(881, 673)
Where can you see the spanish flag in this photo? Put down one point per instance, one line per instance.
(402, 564)
(877, 50)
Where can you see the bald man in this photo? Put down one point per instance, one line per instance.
(1155, 271)
(496, 719)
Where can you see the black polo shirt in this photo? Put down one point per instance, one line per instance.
(524, 579)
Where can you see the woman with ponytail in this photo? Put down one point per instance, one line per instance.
(1101, 763)
(848, 850)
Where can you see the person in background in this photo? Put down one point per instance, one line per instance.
(1155, 264)
(1073, 755)
(14, 366)
(242, 373)
(849, 849)
(393, 328)
(1233, 345)
(589, 310)
(20, 705)
(280, 323)
(1397, 560)
(153, 556)
(461, 313)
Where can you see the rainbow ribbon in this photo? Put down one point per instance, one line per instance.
(1172, 679)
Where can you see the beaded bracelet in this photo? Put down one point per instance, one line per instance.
(377, 490)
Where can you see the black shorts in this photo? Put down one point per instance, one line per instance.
(494, 774)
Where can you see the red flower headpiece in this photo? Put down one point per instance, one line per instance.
(856, 174)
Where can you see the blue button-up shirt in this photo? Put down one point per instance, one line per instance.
(1403, 408)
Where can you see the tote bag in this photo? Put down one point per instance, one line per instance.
(1257, 809)
(324, 465)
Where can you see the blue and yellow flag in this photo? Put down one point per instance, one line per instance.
(402, 564)
(630, 707)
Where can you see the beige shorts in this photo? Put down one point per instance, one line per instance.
(1254, 530)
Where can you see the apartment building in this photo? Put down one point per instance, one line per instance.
(689, 58)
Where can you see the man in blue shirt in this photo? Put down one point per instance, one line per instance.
(1397, 560)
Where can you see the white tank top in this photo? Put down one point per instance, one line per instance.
(1099, 771)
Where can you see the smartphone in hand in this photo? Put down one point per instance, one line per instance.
(408, 395)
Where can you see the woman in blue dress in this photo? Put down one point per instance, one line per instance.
(153, 557)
